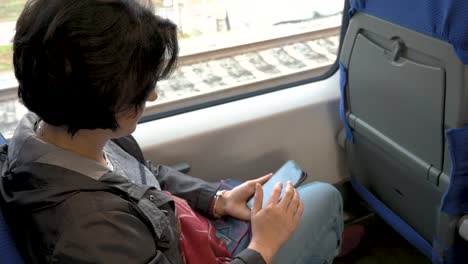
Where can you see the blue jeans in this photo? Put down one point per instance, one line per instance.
(317, 239)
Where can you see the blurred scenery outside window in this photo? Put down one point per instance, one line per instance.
(226, 46)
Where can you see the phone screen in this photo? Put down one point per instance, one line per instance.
(290, 171)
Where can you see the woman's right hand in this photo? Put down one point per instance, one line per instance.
(274, 224)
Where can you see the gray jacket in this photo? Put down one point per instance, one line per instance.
(58, 215)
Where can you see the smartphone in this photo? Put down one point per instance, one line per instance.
(290, 171)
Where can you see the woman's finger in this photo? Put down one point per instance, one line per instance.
(275, 195)
(258, 199)
(292, 208)
(288, 195)
(263, 179)
(298, 214)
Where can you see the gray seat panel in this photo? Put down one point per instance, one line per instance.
(405, 89)
(390, 96)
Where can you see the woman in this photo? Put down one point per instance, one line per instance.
(80, 190)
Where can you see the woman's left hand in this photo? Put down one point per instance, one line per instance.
(233, 202)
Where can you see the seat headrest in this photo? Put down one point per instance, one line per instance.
(442, 19)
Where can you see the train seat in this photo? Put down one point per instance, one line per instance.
(8, 250)
(404, 84)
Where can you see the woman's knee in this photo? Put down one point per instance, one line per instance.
(322, 195)
(318, 236)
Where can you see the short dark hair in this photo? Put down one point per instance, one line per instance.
(79, 63)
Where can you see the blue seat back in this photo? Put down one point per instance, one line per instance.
(8, 251)
(404, 80)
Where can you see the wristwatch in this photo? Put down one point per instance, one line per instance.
(216, 197)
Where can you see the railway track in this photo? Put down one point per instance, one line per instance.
(235, 70)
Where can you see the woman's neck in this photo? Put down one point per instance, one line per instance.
(87, 143)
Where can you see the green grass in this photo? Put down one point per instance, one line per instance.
(6, 58)
(10, 9)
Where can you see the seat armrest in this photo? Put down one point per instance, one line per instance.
(463, 227)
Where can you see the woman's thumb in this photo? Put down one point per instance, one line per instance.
(258, 199)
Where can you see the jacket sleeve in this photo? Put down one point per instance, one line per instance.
(248, 256)
(107, 237)
(197, 192)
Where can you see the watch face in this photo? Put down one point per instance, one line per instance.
(216, 197)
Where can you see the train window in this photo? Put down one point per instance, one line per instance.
(227, 48)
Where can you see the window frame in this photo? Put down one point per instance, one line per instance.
(186, 105)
